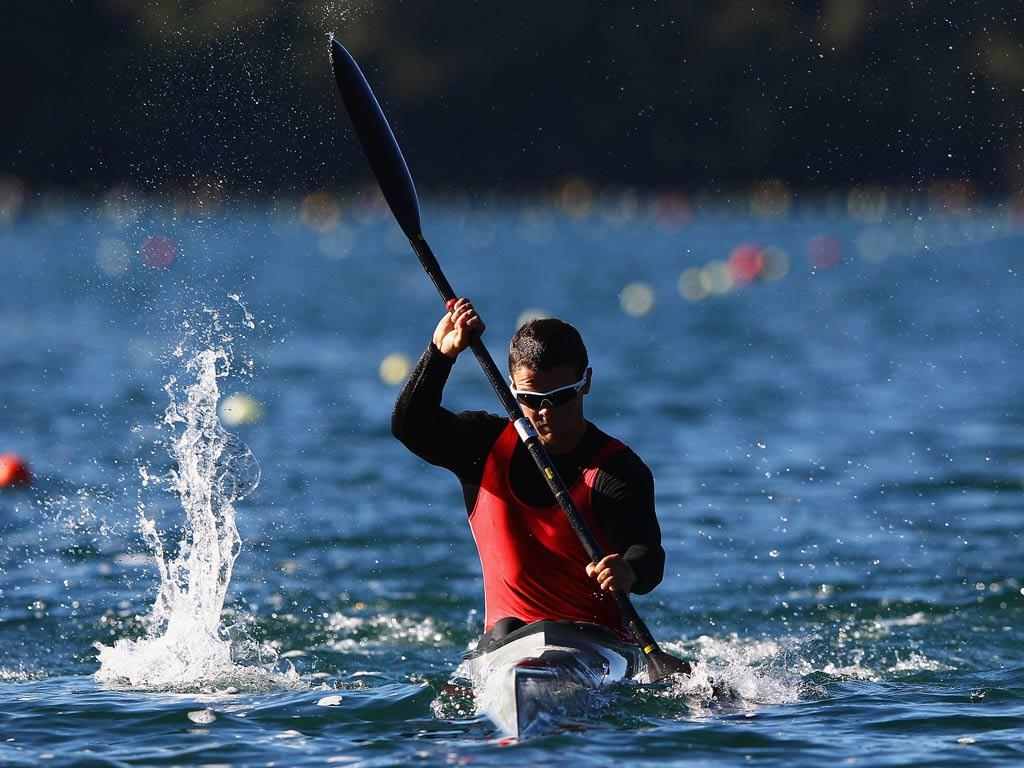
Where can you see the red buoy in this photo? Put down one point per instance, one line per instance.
(13, 471)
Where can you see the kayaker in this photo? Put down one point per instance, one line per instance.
(534, 566)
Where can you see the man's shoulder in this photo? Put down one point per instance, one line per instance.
(623, 463)
(483, 425)
(483, 418)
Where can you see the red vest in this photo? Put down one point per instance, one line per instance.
(533, 563)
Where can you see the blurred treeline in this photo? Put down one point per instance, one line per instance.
(482, 94)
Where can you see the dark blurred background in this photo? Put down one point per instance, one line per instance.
(677, 94)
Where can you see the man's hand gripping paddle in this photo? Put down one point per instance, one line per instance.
(396, 183)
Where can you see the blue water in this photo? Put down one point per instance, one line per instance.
(838, 452)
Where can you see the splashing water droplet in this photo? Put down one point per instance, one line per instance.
(186, 648)
(247, 319)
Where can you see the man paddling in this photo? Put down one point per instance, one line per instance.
(534, 567)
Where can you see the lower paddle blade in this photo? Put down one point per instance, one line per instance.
(661, 665)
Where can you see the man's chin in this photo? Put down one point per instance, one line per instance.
(551, 443)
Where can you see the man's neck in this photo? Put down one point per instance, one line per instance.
(569, 444)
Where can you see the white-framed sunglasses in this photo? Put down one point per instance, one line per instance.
(556, 397)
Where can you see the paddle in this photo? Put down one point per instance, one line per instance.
(396, 183)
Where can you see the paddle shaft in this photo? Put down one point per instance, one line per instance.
(537, 451)
(396, 184)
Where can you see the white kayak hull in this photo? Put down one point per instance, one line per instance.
(546, 671)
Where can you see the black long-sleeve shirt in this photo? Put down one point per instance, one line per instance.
(623, 495)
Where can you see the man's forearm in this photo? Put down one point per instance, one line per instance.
(648, 563)
(625, 509)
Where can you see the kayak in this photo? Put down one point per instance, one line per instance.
(543, 672)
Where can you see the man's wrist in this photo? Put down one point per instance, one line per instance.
(436, 353)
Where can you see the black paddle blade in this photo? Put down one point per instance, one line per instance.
(661, 665)
(377, 139)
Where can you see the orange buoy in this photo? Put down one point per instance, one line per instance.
(13, 471)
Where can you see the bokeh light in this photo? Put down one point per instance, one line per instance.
(320, 211)
(953, 196)
(576, 197)
(691, 286)
(113, 256)
(368, 206)
(121, 205)
(536, 225)
(594, 228)
(1001, 58)
(867, 202)
(395, 368)
(12, 197)
(479, 229)
(746, 262)
(673, 211)
(876, 243)
(824, 252)
(771, 198)
(158, 251)
(1015, 212)
(637, 299)
(776, 264)
(717, 278)
(338, 243)
(56, 205)
(200, 196)
(240, 408)
(620, 206)
(14, 471)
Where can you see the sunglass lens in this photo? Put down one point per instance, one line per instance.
(530, 401)
(555, 399)
(563, 397)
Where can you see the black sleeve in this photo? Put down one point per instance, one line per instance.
(624, 506)
(459, 442)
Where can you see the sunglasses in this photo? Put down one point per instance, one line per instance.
(555, 398)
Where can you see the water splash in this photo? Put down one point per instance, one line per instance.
(737, 674)
(186, 647)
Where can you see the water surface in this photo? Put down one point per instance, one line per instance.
(838, 458)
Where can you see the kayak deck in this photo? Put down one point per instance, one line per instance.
(546, 670)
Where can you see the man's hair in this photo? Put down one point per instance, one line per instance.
(547, 343)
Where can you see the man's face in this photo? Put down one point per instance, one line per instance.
(560, 427)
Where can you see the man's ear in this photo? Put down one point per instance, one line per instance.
(590, 375)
